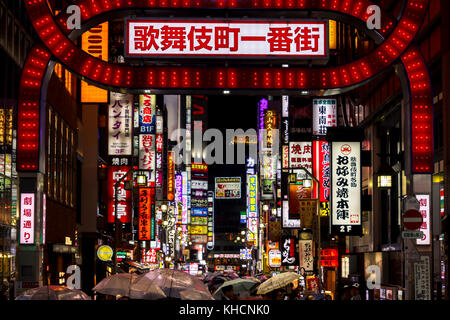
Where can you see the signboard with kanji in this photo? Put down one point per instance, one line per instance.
(27, 218)
(147, 156)
(120, 125)
(252, 208)
(324, 115)
(219, 38)
(115, 173)
(289, 252)
(424, 200)
(306, 255)
(146, 214)
(300, 155)
(147, 113)
(422, 279)
(321, 168)
(346, 188)
(228, 188)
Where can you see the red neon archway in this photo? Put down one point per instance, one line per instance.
(113, 75)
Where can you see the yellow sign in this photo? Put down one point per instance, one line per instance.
(95, 42)
(332, 34)
(198, 229)
(105, 253)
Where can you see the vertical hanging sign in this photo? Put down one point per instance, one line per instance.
(424, 209)
(115, 173)
(146, 217)
(321, 168)
(252, 208)
(27, 218)
(147, 113)
(120, 125)
(324, 115)
(346, 188)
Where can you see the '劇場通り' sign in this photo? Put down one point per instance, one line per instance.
(146, 37)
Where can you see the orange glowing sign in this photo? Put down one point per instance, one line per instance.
(171, 176)
(95, 42)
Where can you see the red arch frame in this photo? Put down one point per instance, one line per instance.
(55, 38)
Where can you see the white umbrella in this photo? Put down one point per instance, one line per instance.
(240, 286)
(278, 281)
(53, 293)
(173, 282)
(117, 284)
(146, 289)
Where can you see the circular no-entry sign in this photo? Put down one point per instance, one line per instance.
(412, 219)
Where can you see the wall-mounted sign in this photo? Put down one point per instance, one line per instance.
(289, 252)
(120, 125)
(306, 255)
(299, 39)
(115, 173)
(27, 203)
(329, 258)
(228, 188)
(300, 155)
(422, 279)
(194, 229)
(105, 253)
(288, 222)
(199, 212)
(147, 156)
(252, 208)
(424, 200)
(324, 115)
(199, 185)
(95, 42)
(274, 258)
(147, 113)
(146, 216)
(321, 168)
(346, 188)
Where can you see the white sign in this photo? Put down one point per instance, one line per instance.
(306, 260)
(228, 188)
(27, 218)
(288, 223)
(285, 106)
(324, 115)
(300, 155)
(120, 128)
(147, 37)
(199, 184)
(346, 187)
(422, 279)
(424, 200)
(274, 258)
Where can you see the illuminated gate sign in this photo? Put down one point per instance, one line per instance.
(346, 188)
(120, 125)
(157, 38)
(27, 218)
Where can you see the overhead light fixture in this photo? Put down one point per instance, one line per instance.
(307, 183)
(384, 175)
(285, 66)
(164, 207)
(265, 207)
(141, 180)
(304, 92)
(226, 91)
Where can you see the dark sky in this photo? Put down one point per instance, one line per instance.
(230, 112)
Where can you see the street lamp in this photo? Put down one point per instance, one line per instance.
(164, 207)
(141, 180)
(265, 207)
(384, 175)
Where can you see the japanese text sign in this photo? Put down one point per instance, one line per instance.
(120, 125)
(321, 168)
(228, 188)
(146, 217)
(147, 155)
(346, 188)
(324, 115)
(306, 255)
(300, 155)
(27, 204)
(115, 173)
(424, 209)
(289, 252)
(147, 113)
(299, 39)
(252, 207)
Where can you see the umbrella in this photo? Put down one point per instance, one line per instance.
(145, 289)
(173, 282)
(53, 293)
(210, 275)
(276, 282)
(241, 287)
(190, 294)
(117, 284)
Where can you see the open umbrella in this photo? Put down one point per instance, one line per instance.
(241, 287)
(173, 282)
(276, 282)
(53, 293)
(145, 289)
(117, 284)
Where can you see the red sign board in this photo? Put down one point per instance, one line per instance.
(412, 219)
(321, 168)
(123, 196)
(329, 258)
(146, 206)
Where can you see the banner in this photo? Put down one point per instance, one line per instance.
(120, 125)
(346, 188)
(306, 255)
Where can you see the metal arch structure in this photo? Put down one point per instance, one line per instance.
(57, 46)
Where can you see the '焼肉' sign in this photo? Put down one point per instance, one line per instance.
(156, 38)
